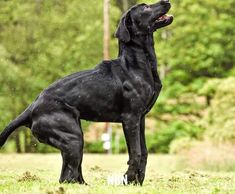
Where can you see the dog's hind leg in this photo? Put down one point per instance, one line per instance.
(71, 168)
(72, 160)
(81, 180)
(72, 154)
(63, 131)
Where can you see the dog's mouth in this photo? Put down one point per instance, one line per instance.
(164, 18)
(162, 21)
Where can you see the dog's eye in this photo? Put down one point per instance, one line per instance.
(146, 7)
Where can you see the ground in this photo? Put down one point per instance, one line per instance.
(39, 173)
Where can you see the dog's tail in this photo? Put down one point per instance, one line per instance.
(22, 119)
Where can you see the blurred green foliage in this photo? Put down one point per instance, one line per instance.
(94, 147)
(220, 120)
(41, 41)
(161, 141)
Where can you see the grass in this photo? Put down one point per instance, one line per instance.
(39, 173)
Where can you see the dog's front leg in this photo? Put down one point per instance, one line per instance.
(131, 127)
(144, 151)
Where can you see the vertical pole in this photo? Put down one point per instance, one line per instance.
(106, 41)
(106, 30)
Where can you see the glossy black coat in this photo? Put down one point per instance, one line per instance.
(121, 90)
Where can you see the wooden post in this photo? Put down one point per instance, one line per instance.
(106, 30)
(106, 41)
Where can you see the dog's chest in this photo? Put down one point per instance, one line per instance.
(138, 92)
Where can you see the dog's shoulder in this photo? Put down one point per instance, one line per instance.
(107, 66)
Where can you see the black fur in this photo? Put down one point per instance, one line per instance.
(121, 90)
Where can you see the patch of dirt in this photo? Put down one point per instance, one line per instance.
(96, 168)
(61, 190)
(27, 176)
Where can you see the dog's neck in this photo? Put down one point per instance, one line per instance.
(141, 48)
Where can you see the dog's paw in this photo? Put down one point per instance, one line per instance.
(141, 177)
(132, 178)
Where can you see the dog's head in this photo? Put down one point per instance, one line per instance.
(143, 19)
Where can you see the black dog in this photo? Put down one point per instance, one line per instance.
(121, 90)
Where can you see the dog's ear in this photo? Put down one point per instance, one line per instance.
(122, 32)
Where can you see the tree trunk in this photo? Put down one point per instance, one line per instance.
(106, 30)
(17, 141)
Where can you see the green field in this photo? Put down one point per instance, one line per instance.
(38, 173)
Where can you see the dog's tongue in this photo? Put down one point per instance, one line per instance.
(163, 17)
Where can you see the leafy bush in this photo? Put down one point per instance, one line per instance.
(181, 145)
(161, 140)
(121, 147)
(94, 147)
(43, 148)
(209, 89)
(220, 120)
(205, 51)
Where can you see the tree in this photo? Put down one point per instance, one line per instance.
(125, 4)
(200, 42)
